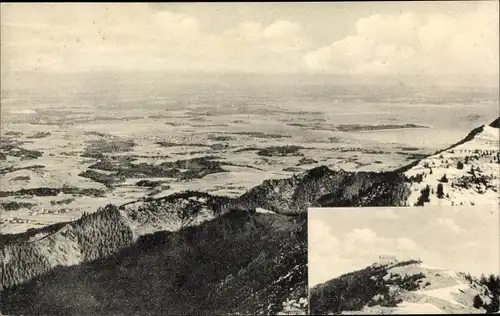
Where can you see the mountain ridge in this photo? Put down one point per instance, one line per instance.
(465, 173)
(470, 136)
(103, 234)
(404, 287)
(181, 271)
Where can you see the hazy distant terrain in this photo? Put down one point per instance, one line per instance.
(94, 139)
(163, 158)
(193, 168)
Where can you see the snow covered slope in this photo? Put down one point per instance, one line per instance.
(406, 287)
(468, 172)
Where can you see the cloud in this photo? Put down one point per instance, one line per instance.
(322, 238)
(465, 245)
(85, 36)
(367, 242)
(386, 214)
(404, 243)
(184, 24)
(326, 252)
(137, 37)
(361, 235)
(449, 224)
(407, 43)
(331, 256)
(281, 37)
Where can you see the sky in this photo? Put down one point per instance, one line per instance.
(463, 239)
(384, 38)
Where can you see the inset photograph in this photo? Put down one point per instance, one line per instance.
(431, 260)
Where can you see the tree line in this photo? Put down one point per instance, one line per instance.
(96, 235)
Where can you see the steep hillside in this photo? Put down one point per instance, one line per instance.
(62, 244)
(495, 123)
(406, 287)
(105, 233)
(322, 186)
(174, 212)
(93, 236)
(237, 263)
(179, 238)
(466, 173)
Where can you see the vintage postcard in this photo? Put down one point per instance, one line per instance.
(428, 260)
(160, 158)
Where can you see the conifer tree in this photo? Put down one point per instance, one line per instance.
(440, 191)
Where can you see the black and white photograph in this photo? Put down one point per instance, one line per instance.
(430, 260)
(160, 158)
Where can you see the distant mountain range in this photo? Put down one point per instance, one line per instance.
(406, 287)
(193, 253)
